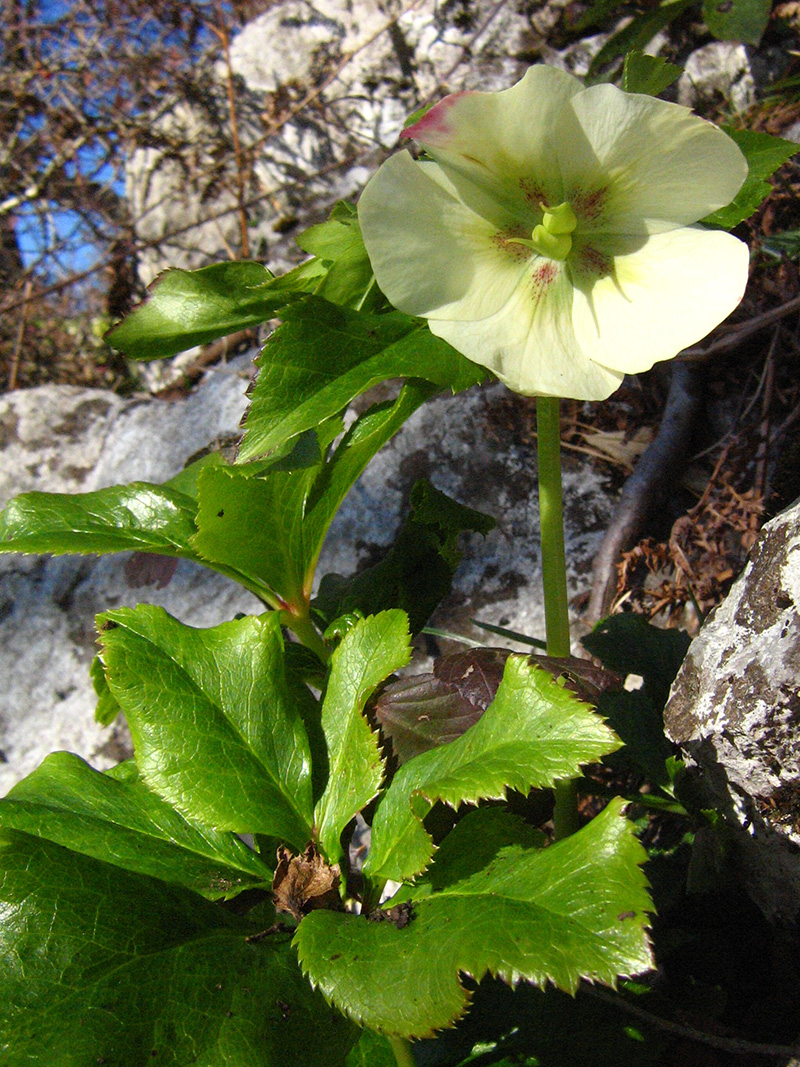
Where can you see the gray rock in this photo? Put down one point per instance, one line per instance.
(717, 72)
(66, 439)
(735, 711)
(323, 91)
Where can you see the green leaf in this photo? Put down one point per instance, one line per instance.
(369, 653)
(628, 644)
(338, 245)
(423, 711)
(107, 708)
(574, 910)
(636, 34)
(270, 523)
(372, 1050)
(534, 732)
(764, 154)
(140, 516)
(737, 20)
(215, 728)
(417, 571)
(99, 965)
(187, 308)
(786, 243)
(647, 74)
(257, 519)
(639, 722)
(323, 356)
(120, 821)
(596, 13)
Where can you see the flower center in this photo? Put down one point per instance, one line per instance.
(553, 236)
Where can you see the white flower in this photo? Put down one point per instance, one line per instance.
(549, 234)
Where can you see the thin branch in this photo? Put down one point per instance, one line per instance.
(657, 467)
(730, 337)
(737, 1045)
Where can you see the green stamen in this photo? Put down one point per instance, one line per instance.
(552, 237)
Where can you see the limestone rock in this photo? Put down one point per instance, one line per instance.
(735, 711)
(721, 70)
(65, 439)
(468, 445)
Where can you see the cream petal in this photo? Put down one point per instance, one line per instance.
(530, 343)
(660, 297)
(508, 134)
(432, 254)
(650, 165)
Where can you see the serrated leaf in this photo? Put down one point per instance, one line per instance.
(107, 709)
(639, 722)
(574, 910)
(323, 356)
(339, 247)
(651, 75)
(120, 821)
(628, 644)
(371, 1050)
(369, 653)
(533, 733)
(417, 571)
(99, 965)
(186, 308)
(737, 20)
(764, 154)
(270, 522)
(426, 710)
(216, 731)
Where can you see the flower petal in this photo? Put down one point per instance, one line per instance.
(506, 136)
(431, 253)
(658, 165)
(530, 343)
(660, 297)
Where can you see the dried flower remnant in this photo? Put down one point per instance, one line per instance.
(550, 233)
(305, 883)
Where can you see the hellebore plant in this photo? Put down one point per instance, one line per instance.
(550, 236)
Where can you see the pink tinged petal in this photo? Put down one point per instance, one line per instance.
(507, 134)
(655, 164)
(530, 343)
(431, 253)
(650, 302)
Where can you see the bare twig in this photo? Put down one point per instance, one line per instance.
(730, 337)
(737, 1045)
(12, 374)
(241, 178)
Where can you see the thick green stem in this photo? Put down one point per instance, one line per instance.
(554, 575)
(402, 1051)
(551, 521)
(307, 634)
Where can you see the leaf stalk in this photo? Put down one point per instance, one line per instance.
(554, 575)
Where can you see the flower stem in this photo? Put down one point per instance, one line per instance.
(551, 521)
(554, 575)
(402, 1051)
